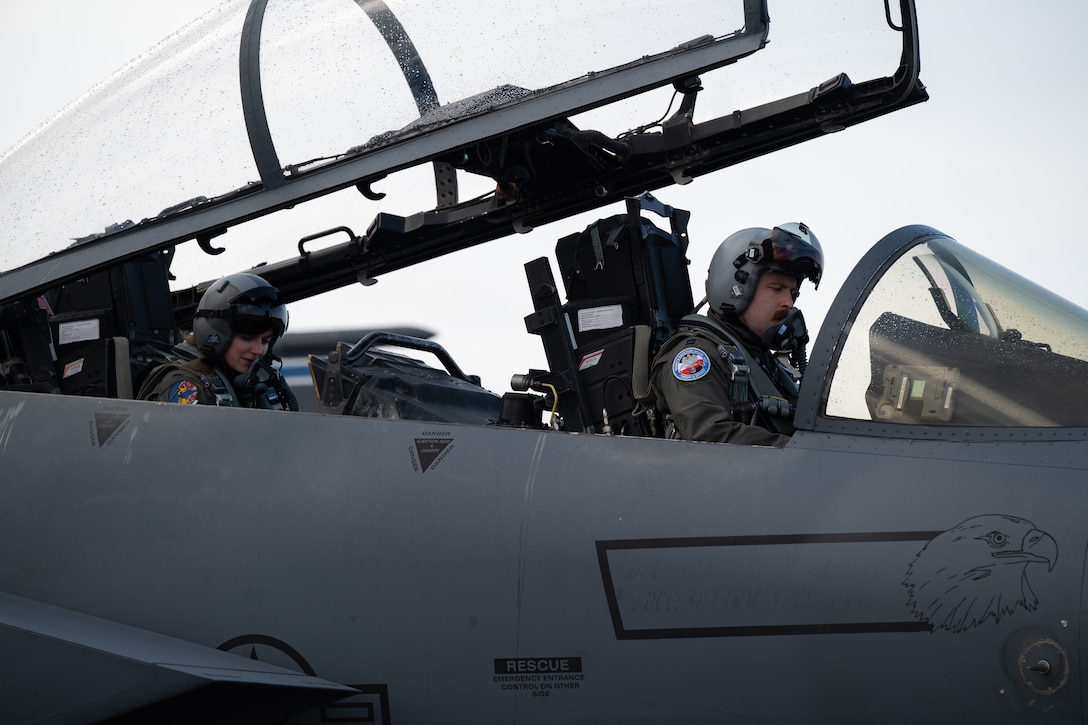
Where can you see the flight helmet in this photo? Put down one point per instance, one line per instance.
(238, 303)
(744, 256)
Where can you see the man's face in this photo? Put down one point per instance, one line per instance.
(772, 301)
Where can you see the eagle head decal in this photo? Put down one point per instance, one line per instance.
(978, 570)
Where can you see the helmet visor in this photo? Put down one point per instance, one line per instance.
(785, 252)
(253, 312)
(253, 319)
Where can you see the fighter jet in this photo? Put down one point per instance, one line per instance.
(413, 547)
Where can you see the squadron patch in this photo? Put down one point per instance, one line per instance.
(184, 392)
(691, 363)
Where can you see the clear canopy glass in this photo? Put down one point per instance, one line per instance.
(334, 77)
(947, 337)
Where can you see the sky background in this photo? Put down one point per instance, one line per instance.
(996, 158)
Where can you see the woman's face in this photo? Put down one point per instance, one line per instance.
(244, 349)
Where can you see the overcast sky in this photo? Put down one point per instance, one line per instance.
(996, 158)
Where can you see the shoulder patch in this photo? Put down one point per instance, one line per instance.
(691, 363)
(184, 392)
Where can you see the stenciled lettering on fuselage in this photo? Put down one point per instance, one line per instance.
(429, 450)
(105, 427)
(824, 583)
(539, 676)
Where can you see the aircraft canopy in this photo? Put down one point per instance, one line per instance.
(258, 92)
(943, 336)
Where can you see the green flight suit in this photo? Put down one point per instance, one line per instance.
(183, 381)
(690, 382)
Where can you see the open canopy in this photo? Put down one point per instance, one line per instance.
(263, 105)
(266, 91)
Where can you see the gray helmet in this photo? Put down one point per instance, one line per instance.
(238, 303)
(744, 256)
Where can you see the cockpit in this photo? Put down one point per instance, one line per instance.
(925, 333)
(104, 257)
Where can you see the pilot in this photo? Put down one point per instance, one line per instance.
(721, 377)
(224, 360)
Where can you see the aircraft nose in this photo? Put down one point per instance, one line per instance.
(1042, 545)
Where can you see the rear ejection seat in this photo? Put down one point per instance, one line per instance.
(627, 288)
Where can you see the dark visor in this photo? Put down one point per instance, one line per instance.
(255, 319)
(253, 312)
(788, 253)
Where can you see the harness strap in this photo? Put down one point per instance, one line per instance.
(598, 250)
(749, 381)
(220, 391)
(761, 383)
(218, 388)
